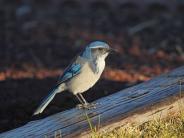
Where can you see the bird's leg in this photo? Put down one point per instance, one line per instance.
(82, 104)
(83, 99)
(79, 99)
(85, 103)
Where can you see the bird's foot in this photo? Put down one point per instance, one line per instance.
(86, 106)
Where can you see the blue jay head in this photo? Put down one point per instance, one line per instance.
(97, 49)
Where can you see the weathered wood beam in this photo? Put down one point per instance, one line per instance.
(138, 104)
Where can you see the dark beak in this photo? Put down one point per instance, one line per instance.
(111, 50)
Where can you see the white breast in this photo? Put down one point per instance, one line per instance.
(100, 65)
(87, 78)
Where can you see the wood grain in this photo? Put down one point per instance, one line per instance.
(152, 99)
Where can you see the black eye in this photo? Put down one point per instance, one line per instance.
(100, 49)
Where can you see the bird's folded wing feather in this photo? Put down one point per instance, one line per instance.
(71, 71)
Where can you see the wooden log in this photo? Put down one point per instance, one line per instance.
(137, 104)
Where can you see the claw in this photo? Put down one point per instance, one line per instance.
(87, 106)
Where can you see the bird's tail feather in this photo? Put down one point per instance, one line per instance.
(47, 100)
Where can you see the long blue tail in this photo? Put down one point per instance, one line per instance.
(47, 100)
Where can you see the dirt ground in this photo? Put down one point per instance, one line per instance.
(39, 41)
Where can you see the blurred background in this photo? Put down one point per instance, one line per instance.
(39, 38)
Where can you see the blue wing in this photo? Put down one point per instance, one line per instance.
(70, 72)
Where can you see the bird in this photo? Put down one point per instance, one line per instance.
(81, 74)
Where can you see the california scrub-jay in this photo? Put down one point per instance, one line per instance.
(82, 74)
